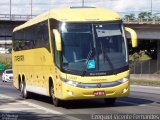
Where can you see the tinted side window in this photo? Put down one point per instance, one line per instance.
(18, 40)
(29, 38)
(42, 35)
(35, 36)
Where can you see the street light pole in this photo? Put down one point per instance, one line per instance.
(10, 12)
(82, 3)
(31, 8)
(151, 7)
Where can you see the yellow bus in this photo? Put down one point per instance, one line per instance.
(73, 53)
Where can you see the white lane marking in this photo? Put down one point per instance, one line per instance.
(40, 107)
(17, 103)
(16, 109)
(33, 105)
(4, 96)
(131, 103)
(141, 86)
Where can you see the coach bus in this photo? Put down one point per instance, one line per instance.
(73, 53)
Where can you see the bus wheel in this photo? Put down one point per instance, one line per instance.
(110, 101)
(24, 92)
(55, 100)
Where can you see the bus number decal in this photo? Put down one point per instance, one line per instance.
(19, 58)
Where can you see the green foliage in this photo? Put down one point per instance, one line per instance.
(138, 57)
(143, 15)
(130, 16)
(10, 50)
(8, 65)
(147, 15)
(6, 60)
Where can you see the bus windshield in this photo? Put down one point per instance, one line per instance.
(93, 48)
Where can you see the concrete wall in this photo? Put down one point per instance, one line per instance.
(146, 31)
(6, 28)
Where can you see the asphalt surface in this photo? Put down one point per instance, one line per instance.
(142, 100)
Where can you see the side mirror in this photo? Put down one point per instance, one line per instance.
(58, 40)
(133, 36)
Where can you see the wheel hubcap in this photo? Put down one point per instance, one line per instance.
(21, 87)
(52, 93)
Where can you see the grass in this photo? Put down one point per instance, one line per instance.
(139, 57)
(6, 59)
(155, 83)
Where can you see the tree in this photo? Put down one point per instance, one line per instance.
(156, 16)
(146, 15)
(130, 16)
(10, 50)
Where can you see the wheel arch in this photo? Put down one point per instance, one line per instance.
(19, 81)
(50, 83)
(21, 78)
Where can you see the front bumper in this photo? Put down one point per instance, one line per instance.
(8, 79)
(69, 92)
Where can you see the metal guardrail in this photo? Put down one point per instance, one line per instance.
(141, 21)
(16, 17)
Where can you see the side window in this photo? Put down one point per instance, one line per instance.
(36, 36)
(18, 40)
(42, 35)
(29, 38)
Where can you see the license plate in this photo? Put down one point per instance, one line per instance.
(99, 93)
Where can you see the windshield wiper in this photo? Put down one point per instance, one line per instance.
(89, 56)
(109, 62)
(105, 56)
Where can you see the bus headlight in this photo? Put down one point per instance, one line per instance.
(69, 82)
(123, 80)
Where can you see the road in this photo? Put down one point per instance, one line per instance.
(142, 100)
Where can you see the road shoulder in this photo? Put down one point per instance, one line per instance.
(146, 89)
(12, 108)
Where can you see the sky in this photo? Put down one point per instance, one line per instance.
(39, 6)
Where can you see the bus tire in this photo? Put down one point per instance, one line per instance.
(24, 92)
(110, 101)
(55, 100)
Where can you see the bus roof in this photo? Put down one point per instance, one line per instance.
(74, 15)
